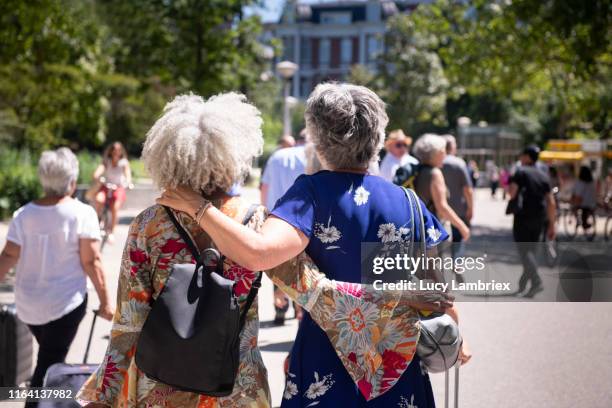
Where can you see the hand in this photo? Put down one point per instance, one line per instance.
(465, 354)
(465, 233)
(182, 199)
(469, 214)
(431, 301)
(551, 233)
(106, 312)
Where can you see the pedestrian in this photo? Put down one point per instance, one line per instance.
(54, 245)
(532, 203)
(492, 173)
(282, 168)
(460, 192)
(584, 195)
(397, 146)
(209, 146)
(334, 362)
(429, 184)
(115, 173)
(474, 172)
(504, 181)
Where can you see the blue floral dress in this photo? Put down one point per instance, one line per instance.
(338, 211)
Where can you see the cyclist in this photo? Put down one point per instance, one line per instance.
(113, 173)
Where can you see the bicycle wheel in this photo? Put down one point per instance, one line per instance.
(589, 228)
(608, 229)
(104, 222)
(570, 224)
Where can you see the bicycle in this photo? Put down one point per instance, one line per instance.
(574, 218)
(105, 217)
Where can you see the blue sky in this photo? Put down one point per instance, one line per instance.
(270, 12)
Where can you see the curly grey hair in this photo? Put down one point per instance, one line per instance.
(58, 171)
(426, 147)
(206, 145)
(346, 123)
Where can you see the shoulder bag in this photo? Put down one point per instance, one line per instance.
(440, 340)
(191, 337)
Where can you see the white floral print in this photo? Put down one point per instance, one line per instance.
(404, 403)
(319, 387)
(361, 196)
(387, 233)
(327, 234)
(290, 390)
(433, 233)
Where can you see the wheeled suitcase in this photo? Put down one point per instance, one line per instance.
(456, 387)
(15, 348)
(69, 377)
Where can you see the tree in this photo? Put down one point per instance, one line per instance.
(412, 79)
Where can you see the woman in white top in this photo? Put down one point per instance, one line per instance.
(113, 173)
(54, 243)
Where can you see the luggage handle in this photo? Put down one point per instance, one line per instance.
(93, 324)
(456, 388)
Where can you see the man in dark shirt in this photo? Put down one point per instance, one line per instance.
(536, 206)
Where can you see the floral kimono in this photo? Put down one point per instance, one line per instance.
(153, 245)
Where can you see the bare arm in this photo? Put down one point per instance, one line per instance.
(468, 194)
(89, 251)
(443, 209)
(513, 190)
(98, 172)
(277, 242)
(8, 258)
(128, 174)
(551, 212)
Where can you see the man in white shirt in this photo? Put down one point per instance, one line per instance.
(282, 168)
(397, 146)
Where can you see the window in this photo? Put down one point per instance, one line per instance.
(324, 52)
(288, 51)
(305, 53)
(335, 17)
(374, 47)
(346, 51)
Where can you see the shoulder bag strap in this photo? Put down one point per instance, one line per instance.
(418, 220)
(184, 235)
(256, 283)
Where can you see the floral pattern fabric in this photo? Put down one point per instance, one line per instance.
(152, 247)
(355, 345)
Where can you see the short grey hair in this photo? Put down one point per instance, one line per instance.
(427, 146)
(206, 145)
(57, 171)
(346, 124)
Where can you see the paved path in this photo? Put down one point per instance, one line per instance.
(525, 354)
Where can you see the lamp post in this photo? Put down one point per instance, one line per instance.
(286, 69)
(462, 123)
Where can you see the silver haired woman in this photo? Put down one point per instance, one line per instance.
(429, 183)
(354, 347)
(54, 244)
(208, 146)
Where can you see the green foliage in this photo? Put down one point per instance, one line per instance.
(86, 72)
(18, 181)
(545, 65)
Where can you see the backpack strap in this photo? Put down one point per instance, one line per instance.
(196, 254)
(184, 235)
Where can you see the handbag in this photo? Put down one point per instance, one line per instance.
(191, 337)
(440, 340)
